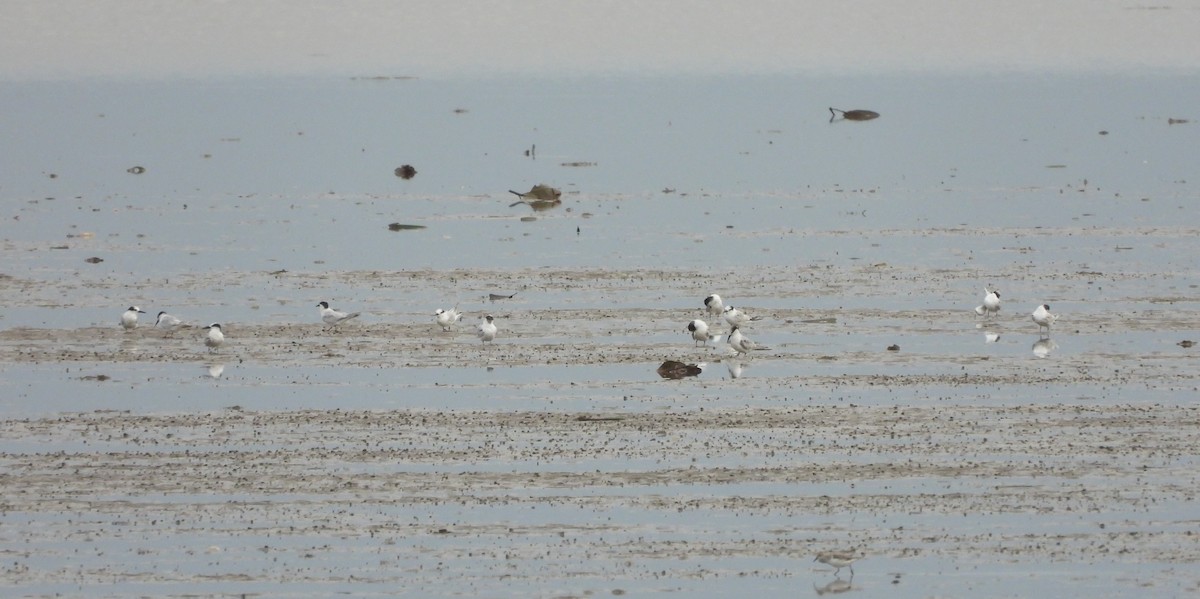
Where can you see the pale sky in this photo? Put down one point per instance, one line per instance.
(63, 39)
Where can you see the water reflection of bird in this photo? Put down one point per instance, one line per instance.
(736, 368)
(1044, 318)
(487, 329)
(448, 318)
(835, 586)
(713, 304)
(215, 370)
(990, 337)
(699, 330)
(130, 317)
(837, 559)
(1042, 347)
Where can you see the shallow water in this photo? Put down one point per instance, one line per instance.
(388, 455)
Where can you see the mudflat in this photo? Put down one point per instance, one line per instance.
(1061, 461)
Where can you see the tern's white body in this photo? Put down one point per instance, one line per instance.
(487, 329)
(737, 318)
(448, 318)
(991, 302)
(333, 317)
(1044, 318)
(741, 344)
(130, 317)
(699, 330)
(713, 304)
(215, 337)
(167, 322)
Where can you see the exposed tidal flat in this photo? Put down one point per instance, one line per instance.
(976, 457)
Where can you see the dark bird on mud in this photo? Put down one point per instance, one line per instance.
(672, 369)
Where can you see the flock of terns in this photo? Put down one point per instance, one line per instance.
(738, 342)
(486, 331)
(699, 330)
(741, 345)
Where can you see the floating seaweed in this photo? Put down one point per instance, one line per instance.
(852, 115)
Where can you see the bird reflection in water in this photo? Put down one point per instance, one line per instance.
(833, 587)
(216, 370)
(736, 368)
(1042, 347)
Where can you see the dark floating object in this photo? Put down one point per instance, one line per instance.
(579, 163)
(136, 170)
(671, 369)
(406, 172)
(852, 115)
(1171, 121)
(404, 227)
(497, 296)
(94, 260)
(893, 347)
(96, 377)
(1186, 343)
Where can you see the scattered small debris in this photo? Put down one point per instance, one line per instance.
(136, 170)
(460, 111)
(668, 190)
(96, 377)
(60, 247)
(404, 227)
(532, 151)
(852, 115)
(94, 260)
(674, 370)
(1171, 121)
(278, 272)
(578, 164)
(528, 219)
(1186, 343)
(893, 347)
(406, 172)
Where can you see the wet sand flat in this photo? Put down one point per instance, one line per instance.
(545, 468)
